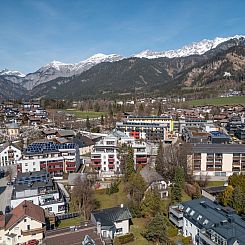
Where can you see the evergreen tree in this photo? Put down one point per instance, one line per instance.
(96, 107)
(178, 185)
(159, 158)
(197, 193)
(159, 112)
(88, 126)
(155, 230)
(151, 203)
(102, 121)
(226, 197)
(238, 200)
(129, 163)
(136, 187)
(141, 110)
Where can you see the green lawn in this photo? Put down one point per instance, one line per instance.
(219, 101)
(85, 114)
(109, 201)
(136, 229)
(69, 222)
(215, 183)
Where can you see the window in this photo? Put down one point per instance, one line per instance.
(28, 227)
(26, 164)
(24, 220)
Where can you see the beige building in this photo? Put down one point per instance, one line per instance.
(13, 130)
(217, 159)
(25, 223)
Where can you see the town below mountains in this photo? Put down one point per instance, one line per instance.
(199, 67)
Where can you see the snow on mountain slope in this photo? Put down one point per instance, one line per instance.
(191, 49)
(11, 73)
(57, 69)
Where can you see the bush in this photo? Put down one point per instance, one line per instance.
(172, 231)
(116, 241)
(126, 238)
(186, 240)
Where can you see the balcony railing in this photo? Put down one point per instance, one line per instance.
(32, 231)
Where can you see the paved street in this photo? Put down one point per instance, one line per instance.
(5, 194)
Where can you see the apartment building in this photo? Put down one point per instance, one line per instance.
(217, 159)
(208, 223)
(25, 224)
(105, 155)
(9, 154)
(54, 158)
(39, 188)
(144, 130)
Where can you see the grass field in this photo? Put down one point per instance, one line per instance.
(215, 183)
(218, 101)
(109, 201)
(136, 229)
(69, 222)
(85, 114)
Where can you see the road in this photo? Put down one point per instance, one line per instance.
(5, 194)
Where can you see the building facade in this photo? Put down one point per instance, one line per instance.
(54, 158)
(217, 159)
(9, 154)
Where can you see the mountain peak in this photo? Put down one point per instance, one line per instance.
(7, 72)
(195, 48)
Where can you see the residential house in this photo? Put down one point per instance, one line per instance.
(112, 222)
(24, 223)
(9, 154)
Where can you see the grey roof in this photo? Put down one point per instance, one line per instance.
(118, 134)
(222, 220)
(150, 175)
(13, 125)
(66, 133)
(108, 216)
(218, 148)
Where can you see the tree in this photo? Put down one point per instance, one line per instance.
(159, 112)
(82, 198)
(102, 121)
(136, 187)
(10, 173)
(178, 185)
(129, 163)
(159, 158)
(197, 194)
(88, 126)
(226, 197)
(151, 203)
(141, 110)
(238, 200)
(96, 107)
(155, 230)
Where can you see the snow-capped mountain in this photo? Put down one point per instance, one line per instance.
(57, 69)
(196, 48)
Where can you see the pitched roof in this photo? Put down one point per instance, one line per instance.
(150, 175)
(24, 209)
(108, 216)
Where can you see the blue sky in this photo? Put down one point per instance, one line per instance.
(35, 32)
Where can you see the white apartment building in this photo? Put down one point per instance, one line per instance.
(25, 223)
(40, 189)
(54, 158)
(105, 155)
(9, 155)
(217, 159)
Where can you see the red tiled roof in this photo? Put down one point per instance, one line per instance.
(24, 209)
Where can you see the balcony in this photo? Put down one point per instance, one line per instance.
(174, 220)
(70, 168)
(176, 211)
(70, 163)
(54, 163)
(55, 169)
(207, 238)
(111, 165)
(141, 159)
(96, 161)
(111, 160)
(32, 232)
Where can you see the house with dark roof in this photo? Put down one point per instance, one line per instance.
(209, 223)
(24, 223)
(112, 222)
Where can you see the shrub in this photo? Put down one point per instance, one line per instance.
(126, 238)
(186, 240)
(172, 231)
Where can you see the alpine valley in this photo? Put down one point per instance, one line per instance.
(201, 66)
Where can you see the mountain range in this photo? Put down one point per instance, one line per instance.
(199, 64)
